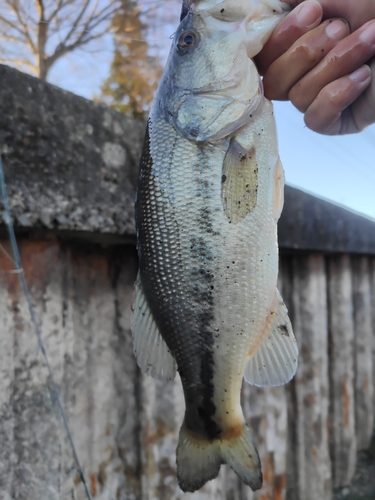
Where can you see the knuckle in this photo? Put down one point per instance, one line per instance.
(298, 97)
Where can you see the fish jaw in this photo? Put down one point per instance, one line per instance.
(255, 18)
(212, 87)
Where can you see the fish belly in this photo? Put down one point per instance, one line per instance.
(210, 283)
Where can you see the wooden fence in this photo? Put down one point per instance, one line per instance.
(125, 424)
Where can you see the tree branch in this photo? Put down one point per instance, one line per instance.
(76, 22)
(59, 6)
(11, 38)
(14, 6)
(40, 24)
(64, 49)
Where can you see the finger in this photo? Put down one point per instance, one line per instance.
(330, 113)
(302, 19)
(303, 55)
(363, 109)
(349, 54)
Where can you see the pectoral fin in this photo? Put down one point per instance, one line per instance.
(150, 349)
(239, 181)
(273, 361)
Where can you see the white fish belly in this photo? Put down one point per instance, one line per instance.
(229, 269)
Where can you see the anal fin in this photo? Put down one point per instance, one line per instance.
(150, 349)
(273, 361)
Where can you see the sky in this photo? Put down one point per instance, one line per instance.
(339, 169)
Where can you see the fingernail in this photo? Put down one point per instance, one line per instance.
(308, 14)
(336, 30)
(368, 35)
(361, 74)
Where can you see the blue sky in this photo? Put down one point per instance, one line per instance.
(340, 169)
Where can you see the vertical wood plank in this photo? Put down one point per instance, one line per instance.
(126, 378)
(36, 454)
(372, 290)
(343, 446)
(292, 469)
(105, 412)
(7, 371)
(310, 327)
(363, 351)
(266, 412)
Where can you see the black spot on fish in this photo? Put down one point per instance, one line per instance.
(283, 330)
(223, 178)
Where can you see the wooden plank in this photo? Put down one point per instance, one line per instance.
(7, 372)
(104, 417)
(37, 451)
(292, 470)
(343, 446)
(126, 377)
(266, 412)
(310, 327)
(372, 290)
(363, 351)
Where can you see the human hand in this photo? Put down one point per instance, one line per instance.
(321, 66)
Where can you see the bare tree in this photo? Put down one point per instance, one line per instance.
(34, 34)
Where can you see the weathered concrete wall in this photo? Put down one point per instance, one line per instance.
(70, 164)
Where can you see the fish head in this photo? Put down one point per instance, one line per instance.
(211, 86)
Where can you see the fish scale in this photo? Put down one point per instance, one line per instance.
(209, 195)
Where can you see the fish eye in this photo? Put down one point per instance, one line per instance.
(188, 40)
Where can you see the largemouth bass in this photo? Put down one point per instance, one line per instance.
(209, 195)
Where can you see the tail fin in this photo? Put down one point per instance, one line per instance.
(240, 453)
(199, 460)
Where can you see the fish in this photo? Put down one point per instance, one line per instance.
(209, 195)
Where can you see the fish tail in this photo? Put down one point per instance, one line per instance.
(199, 460)
(240, 453)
